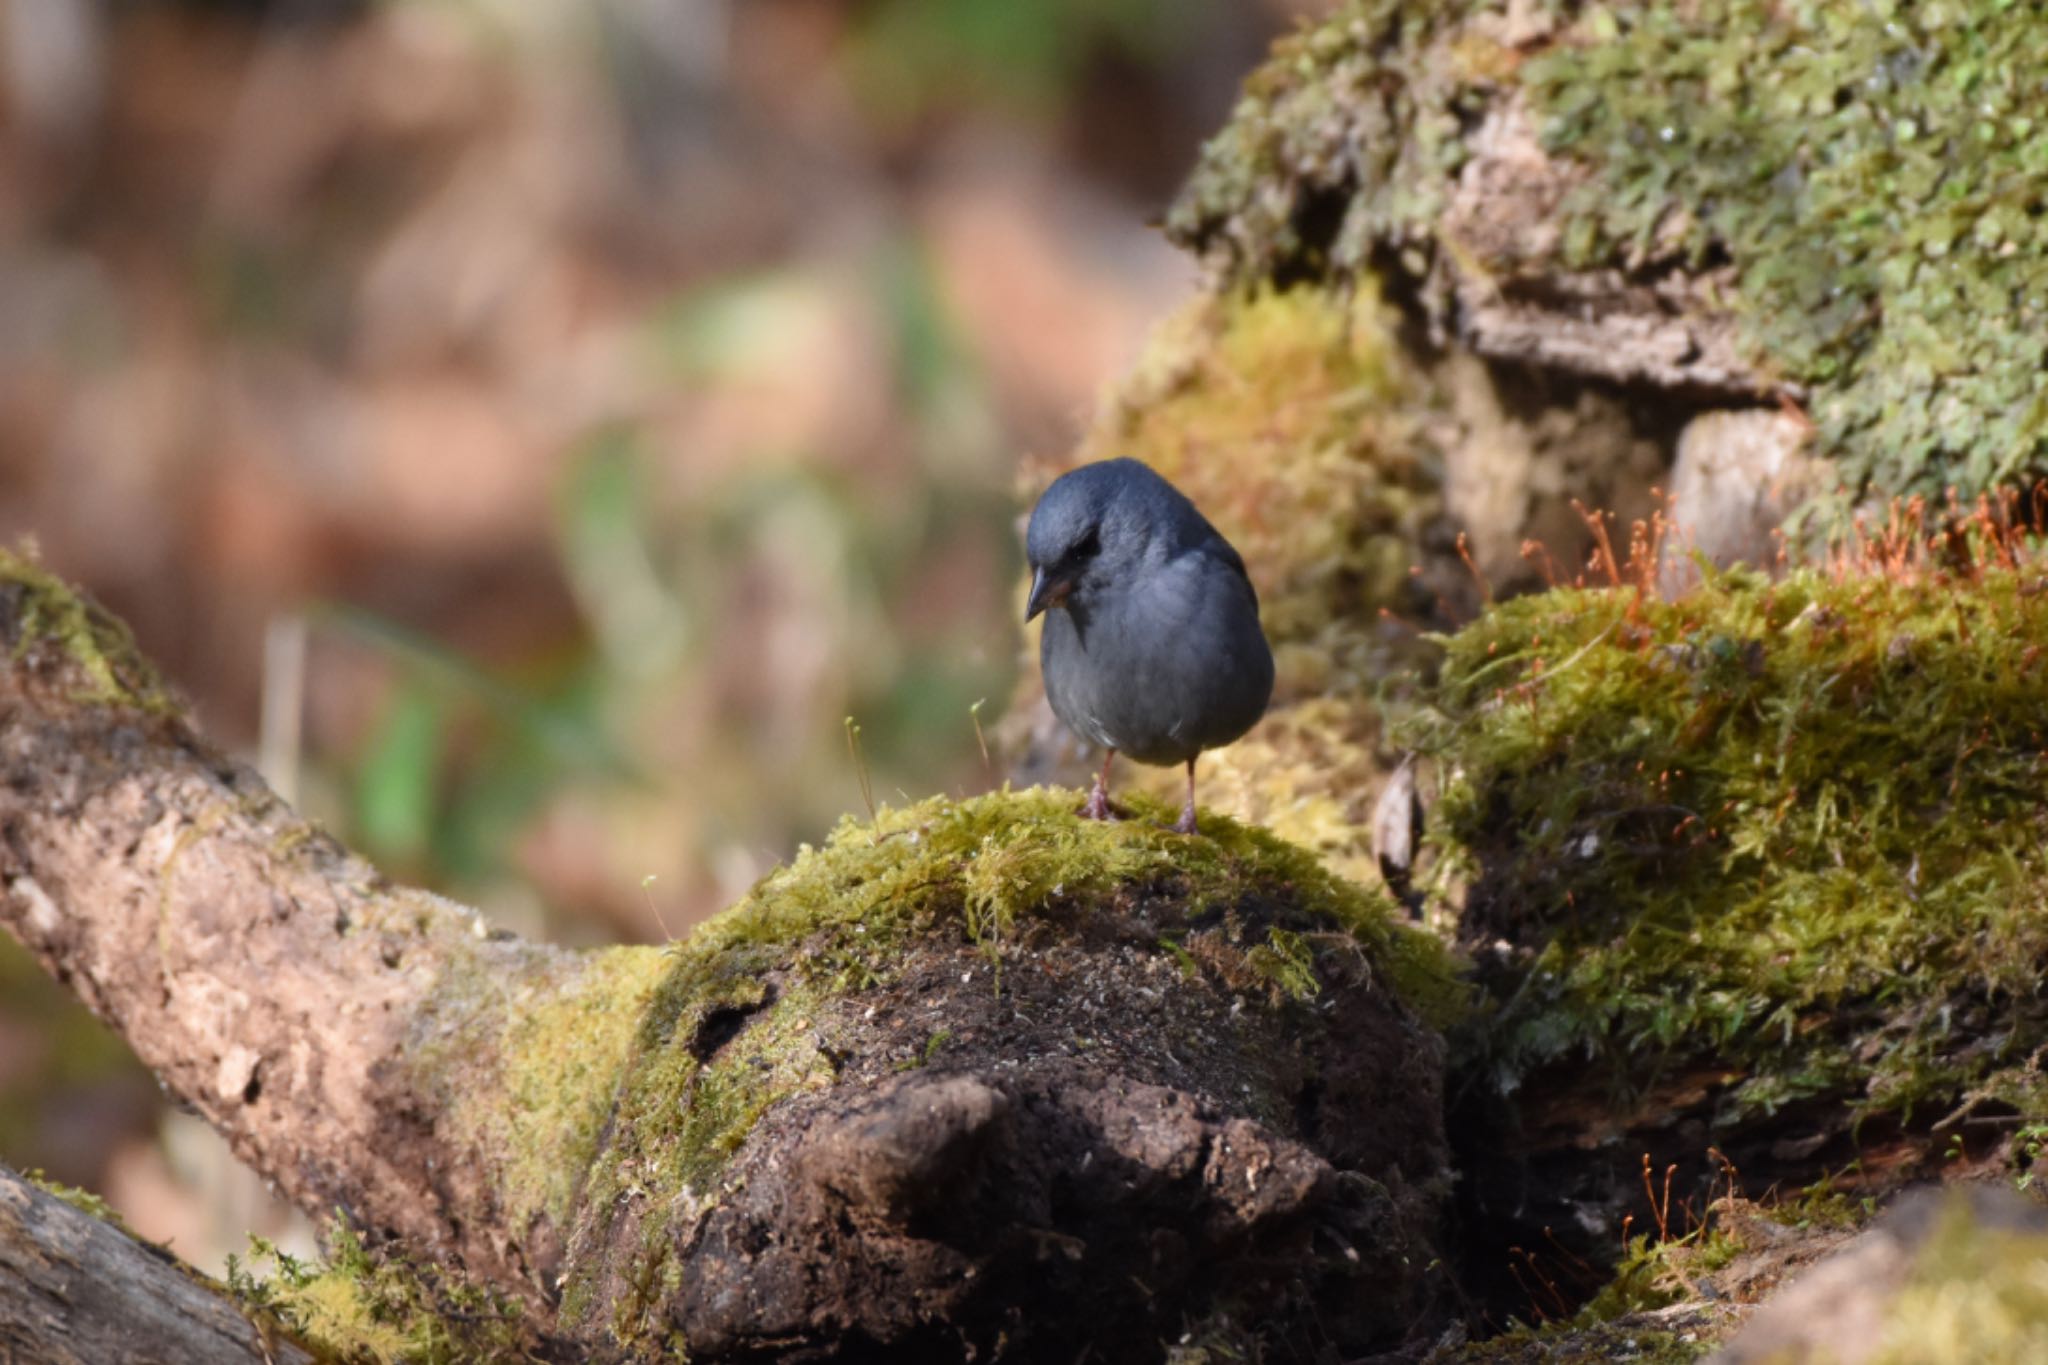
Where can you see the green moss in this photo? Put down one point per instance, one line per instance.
(1875, 174)
(1872, 173)
(555, 1043)
(564, 1056)
(1576, 1342)
(1973, 1293)
(85, 1201)
(1654, 1274)
(1667, 1302)
(741, 1019)
(1347, 136)
(1792, 831)
(51, 613)
(362, 1308)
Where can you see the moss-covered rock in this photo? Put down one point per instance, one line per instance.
(1855, 187)
(1792, 831)
(999, 937)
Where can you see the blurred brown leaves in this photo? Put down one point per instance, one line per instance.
(629, 391)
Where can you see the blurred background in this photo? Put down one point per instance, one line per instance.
(529, 428)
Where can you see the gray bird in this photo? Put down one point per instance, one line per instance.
(1151, 645)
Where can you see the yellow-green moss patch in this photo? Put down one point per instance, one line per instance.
(360, 1308)
(554, 1042)
(1799, 831)
(85, 1201)
(1978, 1295)
(742, 1018)
(52, 614)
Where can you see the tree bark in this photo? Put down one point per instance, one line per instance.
(75, 1290)
(268, 977)
(785, 1138)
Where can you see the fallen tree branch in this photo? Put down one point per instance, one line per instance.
(77, 1290)
(269, 978)
(978, 1077)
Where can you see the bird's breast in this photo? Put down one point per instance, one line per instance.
(1166, 665)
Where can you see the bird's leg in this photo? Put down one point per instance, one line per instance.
(1098, 800)
(1187, 812)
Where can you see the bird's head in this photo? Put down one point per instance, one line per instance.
(1094, 527)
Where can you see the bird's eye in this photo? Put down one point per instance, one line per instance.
(1088, 546)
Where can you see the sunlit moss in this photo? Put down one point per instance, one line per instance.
(1870, 172)
(563, 1048)
(740, 1020)
(85, 1201)
(356, 1307)
(50, 613)
(1308, 772)
(1794, 830)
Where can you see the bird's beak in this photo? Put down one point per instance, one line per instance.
(1047, 592)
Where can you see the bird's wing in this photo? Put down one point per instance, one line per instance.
(1227, 552)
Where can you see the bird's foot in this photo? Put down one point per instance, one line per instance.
(1098, 807)
(1186, 823)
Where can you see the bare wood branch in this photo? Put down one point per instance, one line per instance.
(271, 979)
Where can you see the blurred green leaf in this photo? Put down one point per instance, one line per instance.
(502, 787)
(928, 355)
(640, 623)
(914, 53)
(394, 796)
(717, 329)
(571, 736)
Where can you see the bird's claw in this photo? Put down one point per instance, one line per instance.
(1097, 806)
(1186, 823)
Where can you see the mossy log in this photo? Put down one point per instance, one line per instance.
(77, 1290)
(976, 1076)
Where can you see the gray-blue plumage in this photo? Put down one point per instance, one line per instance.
(1151, 644)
